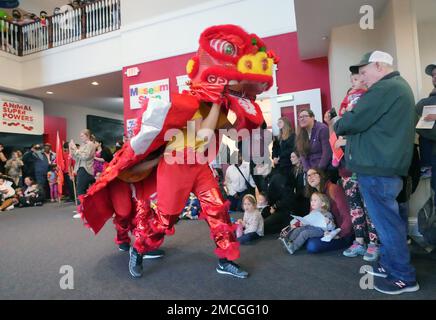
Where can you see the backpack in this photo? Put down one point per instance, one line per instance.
(427, 222)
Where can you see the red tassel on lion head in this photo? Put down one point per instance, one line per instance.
(230, 57)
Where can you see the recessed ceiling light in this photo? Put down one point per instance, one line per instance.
(50, 92)
(95, 83)
(325, 38)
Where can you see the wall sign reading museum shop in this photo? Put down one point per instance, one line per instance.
(21, 115)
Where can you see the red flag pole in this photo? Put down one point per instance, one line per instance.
(60, 164)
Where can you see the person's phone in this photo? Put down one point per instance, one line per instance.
(333, 113)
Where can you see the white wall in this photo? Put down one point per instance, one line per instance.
(347, 45)
(75, 116)
(138, 10)
(427, 50)
(395, 32)
(145, 40)
(11, 77)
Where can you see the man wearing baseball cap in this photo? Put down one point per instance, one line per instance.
(380, 134)
(427, 137)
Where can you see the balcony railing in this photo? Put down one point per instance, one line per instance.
(74, 25)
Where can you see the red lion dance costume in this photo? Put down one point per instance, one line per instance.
(230, 68)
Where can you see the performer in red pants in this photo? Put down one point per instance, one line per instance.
(230, 68)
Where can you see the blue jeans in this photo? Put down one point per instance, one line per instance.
(248, 237)
(315, 245)
(379, 194)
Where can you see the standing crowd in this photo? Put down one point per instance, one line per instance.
(32, 178)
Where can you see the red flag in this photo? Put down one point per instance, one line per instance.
(60, 164)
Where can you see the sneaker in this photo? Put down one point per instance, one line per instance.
(372, 253)
(232, 269)
(355, 250)
(390, 285)
(124, 246)
(287, 245)
(135, 263)
(376, 270)
(10, 208)
(426, 172)
(154, 254)
(77, 216)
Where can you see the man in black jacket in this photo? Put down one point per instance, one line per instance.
(427, 137)
(29, 159)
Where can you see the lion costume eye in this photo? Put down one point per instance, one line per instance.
(224, 47)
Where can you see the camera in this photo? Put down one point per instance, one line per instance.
(333, 113)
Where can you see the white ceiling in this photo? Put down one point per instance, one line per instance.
(107, 96)
(315, 19)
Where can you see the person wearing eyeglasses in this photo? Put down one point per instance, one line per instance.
(313, 142)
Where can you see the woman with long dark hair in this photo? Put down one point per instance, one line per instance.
(317, 182)
(313, 142)
(284, 147)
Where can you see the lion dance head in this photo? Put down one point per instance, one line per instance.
(238, 61)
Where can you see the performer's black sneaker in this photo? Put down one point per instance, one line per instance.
(124, 246)
(232, 269)
(158, 253)
(135, 263)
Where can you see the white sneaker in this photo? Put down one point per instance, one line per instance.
(77, 216)
(10, 208)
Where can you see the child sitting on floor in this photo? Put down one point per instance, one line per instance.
(318, 223)
(251, 226)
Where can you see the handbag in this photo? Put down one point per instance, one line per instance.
(250, 190)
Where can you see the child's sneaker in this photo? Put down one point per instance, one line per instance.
(372, 252)
(425, 172)
(355, 250)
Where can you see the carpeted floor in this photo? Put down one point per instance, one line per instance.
(36, 242)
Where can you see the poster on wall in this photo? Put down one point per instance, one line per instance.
(141, 92)
(130, 127)
(21, 115)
